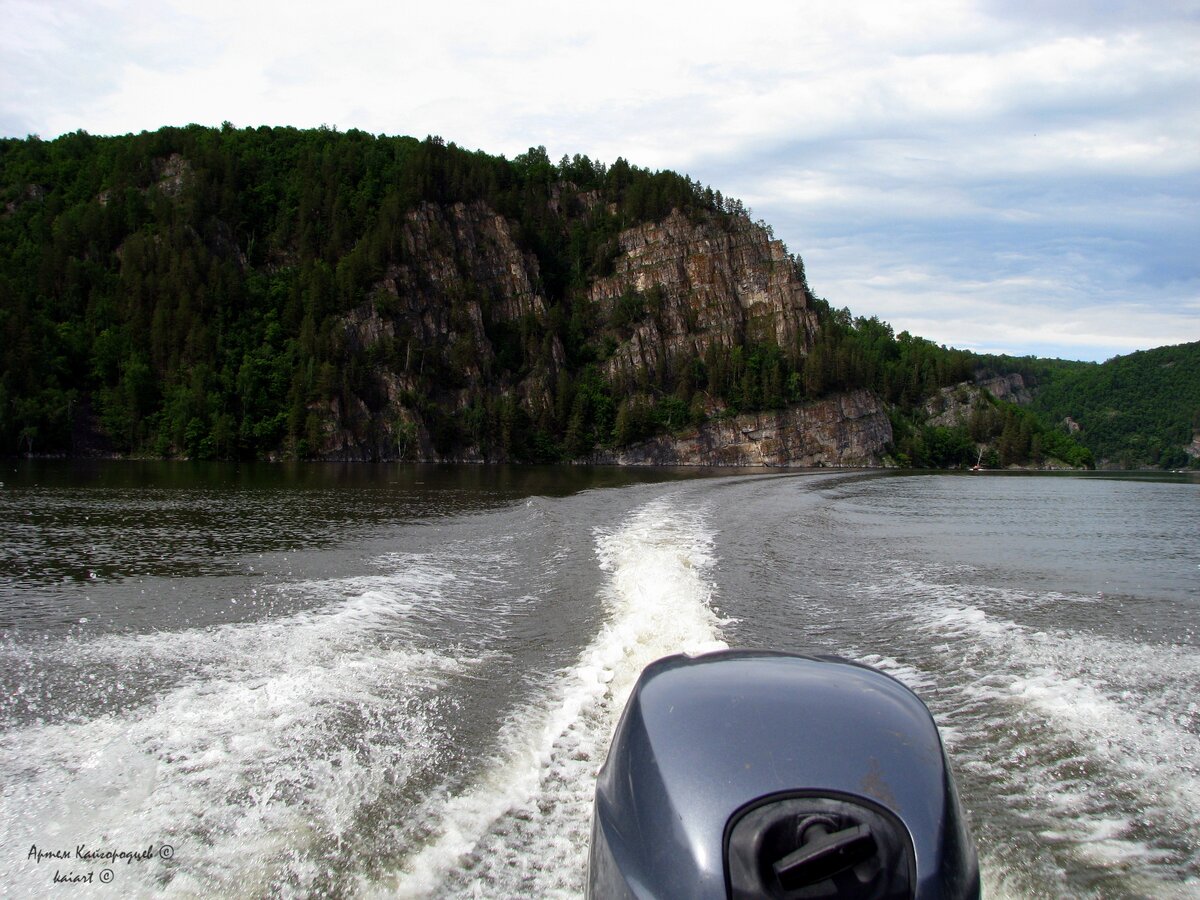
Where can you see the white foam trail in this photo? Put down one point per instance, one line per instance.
(1130, 705)
(254, 764)
(1097, 738)
(523, 828)
(1122, 745)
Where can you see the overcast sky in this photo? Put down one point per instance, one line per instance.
(1016, 176)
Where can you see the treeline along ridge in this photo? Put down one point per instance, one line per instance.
(274, 292)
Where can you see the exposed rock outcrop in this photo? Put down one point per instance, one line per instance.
(461, 298)
(458, 281)
(953, 406)
(850, 429)
(33, 193)
(172, 174)
(711, 286)
(1010, 387)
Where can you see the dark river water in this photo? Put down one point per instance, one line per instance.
(387, 681)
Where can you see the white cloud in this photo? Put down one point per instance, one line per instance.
(1021, 302)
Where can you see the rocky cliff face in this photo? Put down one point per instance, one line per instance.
(953, 406)
(458, 279)
(850, 429)
(461, 301)
(711, 286)
(461, 273)
(1011, 387)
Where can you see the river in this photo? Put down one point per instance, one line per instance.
(328, 680)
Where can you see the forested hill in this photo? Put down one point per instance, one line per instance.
(199, 292)
(1132, 411)
(241, 293)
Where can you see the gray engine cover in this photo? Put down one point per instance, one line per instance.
(705, 740)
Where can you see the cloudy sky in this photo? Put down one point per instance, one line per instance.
(1016, 176)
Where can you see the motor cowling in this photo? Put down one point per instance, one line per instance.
(747, 774)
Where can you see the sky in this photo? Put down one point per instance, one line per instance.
(1005, 176)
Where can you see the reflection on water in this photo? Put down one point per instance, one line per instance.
(77, 529)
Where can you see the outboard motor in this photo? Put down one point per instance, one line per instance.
(748, 774)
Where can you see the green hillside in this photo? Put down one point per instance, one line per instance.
(183, 291)
(1132, 411)
(223, 293)
(197, 292)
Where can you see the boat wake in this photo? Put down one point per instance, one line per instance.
(255, 756)
(523, 827)
(1100, 736)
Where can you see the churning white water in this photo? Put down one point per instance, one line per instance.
(524, 828)
(403, 684)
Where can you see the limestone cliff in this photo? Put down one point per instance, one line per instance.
(993, 430)
(954, 406)
(712, 286)
(462, 312)
(1010, 387)
(289, 293)
(457, 283)
(849, 429)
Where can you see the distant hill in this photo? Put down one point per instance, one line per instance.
(283, 293)
(1132, 411)
(310, 293)
(274, 292)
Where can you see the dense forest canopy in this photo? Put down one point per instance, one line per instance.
(1137, 410)
(185, 286)
(188, 292)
